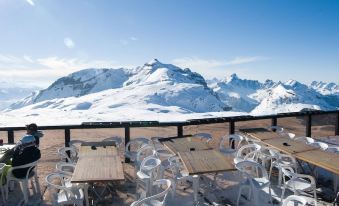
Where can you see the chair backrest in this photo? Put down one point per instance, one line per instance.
(320, 145)
(249, 151)
(150, 165)
(23, 170)
(203, 136)
(56, 182)
(277, 129)
(231, 140)
(62, 152)
(163, 194)
(307, 140)
(294, 200)
(333, 149)
(251, 169)
(117, 140)
(136, 143)
(143, 152)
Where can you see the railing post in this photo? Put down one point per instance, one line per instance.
(10, 135)
(127, 139)
(67, 140)
(232, 127)
(274, 123)
(336, 132)
(231, 130)
(67, 137)
(309, 125)
(180, 131)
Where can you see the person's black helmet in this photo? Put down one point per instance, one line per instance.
(32, 127)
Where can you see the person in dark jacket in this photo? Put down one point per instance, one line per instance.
(32, 129)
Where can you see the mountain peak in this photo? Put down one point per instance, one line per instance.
(153, 62)
(231, 77)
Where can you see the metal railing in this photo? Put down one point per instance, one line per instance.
(180, 125)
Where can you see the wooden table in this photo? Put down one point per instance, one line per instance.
(260, 133)
(206, 161)
(289, 146)
(98, 165)
(323, 159)
(184, 144)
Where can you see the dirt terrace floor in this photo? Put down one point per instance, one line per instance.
(124, 192)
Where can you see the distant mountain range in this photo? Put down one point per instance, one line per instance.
(158, 88)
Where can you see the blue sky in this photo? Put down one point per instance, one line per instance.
(42, 40)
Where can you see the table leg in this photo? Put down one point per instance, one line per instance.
(195, 187)
(86, 194)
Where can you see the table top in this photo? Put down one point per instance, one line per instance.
(98, 165)
(206, 161)
(184, 144)
(289, 146)
(323, 159)
(260, 133)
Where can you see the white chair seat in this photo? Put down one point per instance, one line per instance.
(63, 198)
(261, 182)
(142, 175)
(228, 151)
(131, 155)
(300, 184)
(150, 203)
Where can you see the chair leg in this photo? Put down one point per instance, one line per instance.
(280, 177)
(271, 198)
(174, 188)
(3, 194)
(282, 194)
(25, 191)
(195, 187)
(239, 195)
(315, 196)
(38, 186)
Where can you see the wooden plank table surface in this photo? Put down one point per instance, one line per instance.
(98, 165)
(206, 161)
(289, 146)
(260, 133)
(184, 144)
(320, 158)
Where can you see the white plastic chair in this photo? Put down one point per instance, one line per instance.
(277, 129)
(321, 145)
(255, 181)
(62, 194)
(154, 200)
(142, 153)
(132, 147)
(31, 172)
(294, 200)
(67, 170)
(247, 152)
(179, 174)
(73, 154)
(230, 140)
(203, 136)
(279, 161)
(307, 140)
(148, 173)
(2, 187)
(117, 140)
(333, 149)
(298, 183)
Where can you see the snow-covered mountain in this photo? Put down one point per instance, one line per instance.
(158, 91)
(325, 88)
(272, 97)
(153, 83)
(10, 93)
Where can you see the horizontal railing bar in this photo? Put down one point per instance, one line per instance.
(98, 125)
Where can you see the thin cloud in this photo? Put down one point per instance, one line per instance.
(133, 38)
(214, 68)
(244, 60)
(69, 43)
(43, 71)
(30, 2)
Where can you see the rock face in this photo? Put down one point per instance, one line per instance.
(153, 83)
